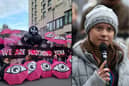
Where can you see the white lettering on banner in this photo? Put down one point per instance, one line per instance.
(6, 52)
(20, 52)
(45, 53)
(39, 52)
(34, 52)
(59, 52)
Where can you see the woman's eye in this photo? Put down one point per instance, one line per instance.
(45, 67)
(61, 68)
(110, 29)
(16, 69)
(31, 66)
(98, 28)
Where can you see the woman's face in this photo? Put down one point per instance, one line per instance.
(101, 33)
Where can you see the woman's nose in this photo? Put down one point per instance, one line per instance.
(104, 32)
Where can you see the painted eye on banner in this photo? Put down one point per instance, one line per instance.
(16, 69)
(59, 37)
(61, 68)
(31, 67)
(50, 35)
(45, 67)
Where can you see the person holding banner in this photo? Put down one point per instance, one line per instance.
(27, 58)
(4, 62)
(100, 60)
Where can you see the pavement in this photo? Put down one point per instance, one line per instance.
(43, 82)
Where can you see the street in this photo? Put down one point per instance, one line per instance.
(43, 82)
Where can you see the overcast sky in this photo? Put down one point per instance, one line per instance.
(14, 13)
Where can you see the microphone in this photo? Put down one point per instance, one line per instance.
(103, 50)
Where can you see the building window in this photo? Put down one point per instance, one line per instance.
(54, 25)
(68, 17)
(44, 14)
(61, 22)
(57, 23)
(32, 20)
(42, 2)
(35, 6)
(49, 2)
(32, 15)
(49, 9)
(32, 3)
(32, 9)
(50, 26)
(44, 5)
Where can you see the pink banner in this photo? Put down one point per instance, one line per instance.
(6, 31)
(61, 70)
(15, 74)
(34, 71)
(69, 36)
(60, 40)
(49, 36)
(1, 41)
(45, 68)
(15, 31)
(69, 61)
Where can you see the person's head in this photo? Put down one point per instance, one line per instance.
(28, 58)
(6, 60)
(56, 56)
(110, 3)
(33, 30)
(101, 25)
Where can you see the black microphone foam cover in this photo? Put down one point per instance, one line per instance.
(103, 50)
(102, 47)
